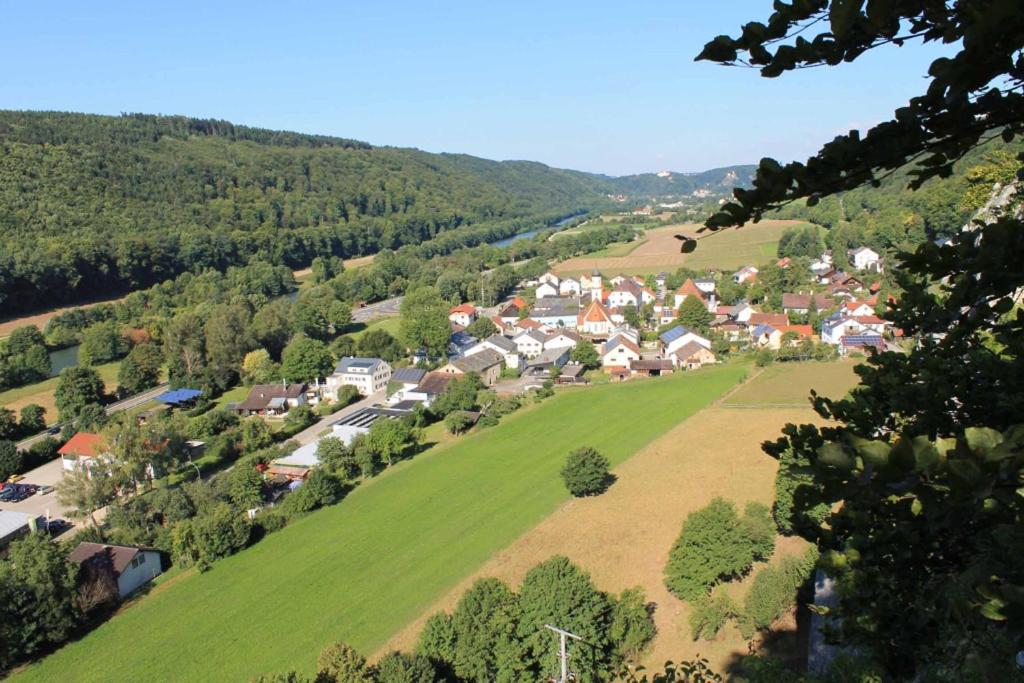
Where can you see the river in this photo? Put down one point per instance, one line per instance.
(530, 233)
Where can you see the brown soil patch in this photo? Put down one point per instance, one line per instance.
(623, 537)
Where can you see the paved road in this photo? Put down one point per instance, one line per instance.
(382, 309)
(311, 433)
(126, 404)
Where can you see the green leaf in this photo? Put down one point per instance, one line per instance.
(916, 507)
(874, 452)
(925, 454)
(841, 15)
(982, 438)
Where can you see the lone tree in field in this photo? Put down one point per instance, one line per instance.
(586, 472)
(716, 544)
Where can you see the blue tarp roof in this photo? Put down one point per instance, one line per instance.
(176, 396)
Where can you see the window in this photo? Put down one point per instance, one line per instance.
(135, 562)
(142, 559)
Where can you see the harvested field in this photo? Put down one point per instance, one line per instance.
(624, 536)
(790, 384)
(659, 250)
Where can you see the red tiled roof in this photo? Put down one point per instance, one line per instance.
(462, 308)
(801, 330)
(595, 313)
(83, 445)
(690, 289)
(776, 320)
(869, 319)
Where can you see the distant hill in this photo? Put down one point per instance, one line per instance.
(93, 206)
(716, 182)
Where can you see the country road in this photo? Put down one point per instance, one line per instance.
(124, 404)
(382, 309)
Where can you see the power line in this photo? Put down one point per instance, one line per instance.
(562, 653)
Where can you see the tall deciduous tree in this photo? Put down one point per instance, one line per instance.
(77, 388)
(141, 369)
(305, 359)
(425, 322)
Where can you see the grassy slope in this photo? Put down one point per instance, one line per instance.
(360, 570)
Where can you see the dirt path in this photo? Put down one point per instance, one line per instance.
(623, 537)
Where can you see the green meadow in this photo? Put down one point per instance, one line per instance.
(360, 570)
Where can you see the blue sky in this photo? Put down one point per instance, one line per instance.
(598, 86)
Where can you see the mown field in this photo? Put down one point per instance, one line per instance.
(41, 393)
(623, 536)
(360, 571)
(659, 250)
(789, 384)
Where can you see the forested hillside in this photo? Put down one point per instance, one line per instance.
(894, 217)
(92, 206)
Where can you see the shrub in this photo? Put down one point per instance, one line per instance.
(486, 421)
(764, 358)
(586, 472)
(341, 663)
(714, 545)
(775, 590)
(10, 459)
(202, 540)
(319, 490)
(710, 615)
(631, 627)
(272, 520)
(399, 667)
(458, 421)
(760, 528)
(299, 418)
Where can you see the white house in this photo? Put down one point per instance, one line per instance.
(678, 337)
(549, 278)
(546, 289)
(836, 326)
(745, 274)
(561, 340)
(626, 331)
(619, 352)
(866, 258)
(463, 314)
(705, 285)
(686, 290)
(503, 345)
(81, 450)
(529, 343)
(368, 375)
(402, 381)
(856, 308)
(556, 312)
(132, 567)
(663, 315)
(569, 287)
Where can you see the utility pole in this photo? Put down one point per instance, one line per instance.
(562, 654)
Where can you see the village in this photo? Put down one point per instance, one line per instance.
(567, 331)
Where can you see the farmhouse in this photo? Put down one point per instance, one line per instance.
(272, 400)
(81, 450)
(595, 320)
(368, 375)
(619, 352)
(463, 314)
(486, 363)
(500, 344)
(529, 343)
(691, 356)
(131, 567)
(432, 386)
(678, 337)
(651, 368)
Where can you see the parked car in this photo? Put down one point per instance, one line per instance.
(43, 490)
(53, 430)
(57, 526)
(14, 477)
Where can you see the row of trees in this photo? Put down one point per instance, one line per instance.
(496, 633)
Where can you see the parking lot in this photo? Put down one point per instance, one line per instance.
(39, 504)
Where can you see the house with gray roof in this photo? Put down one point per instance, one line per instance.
(487, 364)
(368, 375)
(499, 344)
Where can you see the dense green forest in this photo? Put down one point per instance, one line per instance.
(892, 217)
